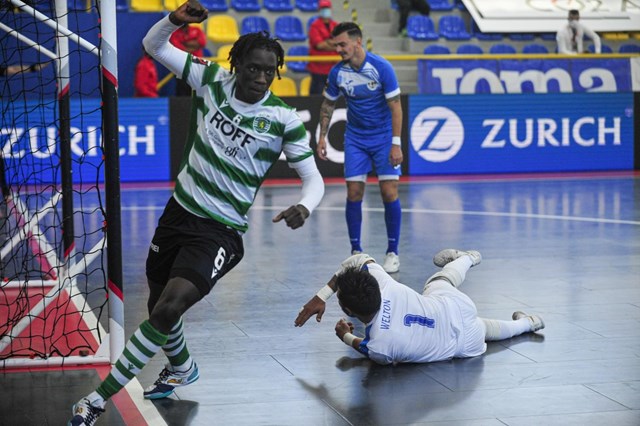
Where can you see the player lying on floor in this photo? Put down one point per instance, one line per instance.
(402, 325)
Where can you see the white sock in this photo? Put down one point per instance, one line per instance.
(500, 330)
(96, 400)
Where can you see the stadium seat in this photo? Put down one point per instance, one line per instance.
(310, 21)
(146, 5)
(171, 5)
(246, 5)
(459, 4)
(222, 29)
(440, 5)
(436, 49)
(421, 27)
(548, 36)
(298, 66)
(122, 5)
(254, 24)
(307, 5)
(215, 5)
(223, 56)
(305, 85)
(502, 49)
(289, 28)
(629, 48)
(79, 5)
(535, 48)
(469, 49)
(484, 36)
(603, 49)
(452, 27)
(278, 5)
(285, 86)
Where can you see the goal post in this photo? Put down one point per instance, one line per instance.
(61, 288)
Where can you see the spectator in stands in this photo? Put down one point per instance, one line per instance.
(570, 36)
(405, 7)
(145, 80)
(191, 39)
(320, 44)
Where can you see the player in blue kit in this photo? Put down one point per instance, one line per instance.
(402, 325)
(374, 122)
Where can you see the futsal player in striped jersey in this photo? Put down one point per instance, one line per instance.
(402, 325)
(372, 138)
(238, 130)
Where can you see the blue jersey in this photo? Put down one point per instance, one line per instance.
(366, 91)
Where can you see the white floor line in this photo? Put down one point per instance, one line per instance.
(147, 409)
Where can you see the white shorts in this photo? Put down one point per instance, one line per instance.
(471, 340)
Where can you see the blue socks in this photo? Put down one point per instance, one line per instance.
(353, 214)
(393, 218)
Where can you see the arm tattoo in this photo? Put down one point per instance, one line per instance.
(396, 98)
(326, 111)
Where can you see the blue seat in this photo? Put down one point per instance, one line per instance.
(452, 27)
(298, 66)
(307, 5)
(603, 49)
(535, 48)
(310, 21)
(548, 36)
(215, 5)
(469, 49)
(122, 5)
(421, 27)
(79, 5)
(460, 5)
(289, 28)
(440, 5)
(436, 49)
(629, 48)
(246, 5)
(278, 5)
(484, 36)
(502, 49)
(254, 24)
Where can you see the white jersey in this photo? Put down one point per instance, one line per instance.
(410, 327)
(231, 145)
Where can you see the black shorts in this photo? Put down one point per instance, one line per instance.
(190, 247)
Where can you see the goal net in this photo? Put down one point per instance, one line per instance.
(58, 172)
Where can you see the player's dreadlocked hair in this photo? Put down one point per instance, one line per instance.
(259, 40)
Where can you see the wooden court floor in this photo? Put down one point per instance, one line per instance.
(566, 247)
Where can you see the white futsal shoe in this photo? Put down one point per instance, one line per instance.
(536, 321)
(449, 255)
(391, 263)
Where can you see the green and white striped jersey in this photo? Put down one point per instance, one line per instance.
(231, 145)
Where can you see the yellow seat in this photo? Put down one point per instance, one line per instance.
(172, 5)
(146, 5)
(286, 86)
(305, 84)
(223, 54)
(222, 29)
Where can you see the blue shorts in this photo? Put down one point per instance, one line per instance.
(361, 154)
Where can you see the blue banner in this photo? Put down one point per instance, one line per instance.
(524, 76)
(520, 133)
(32, 156)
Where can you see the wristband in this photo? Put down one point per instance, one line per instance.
(395, 140)
(325, 293)
(348, 339)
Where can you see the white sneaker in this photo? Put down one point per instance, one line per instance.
(536, 322)
(85, 413)
(391, 263)
(354, 252)
(449, 255)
